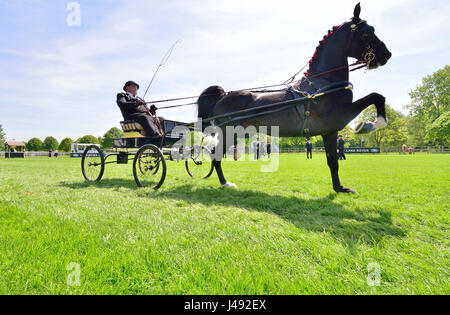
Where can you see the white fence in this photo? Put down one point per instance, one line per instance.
(428, 150)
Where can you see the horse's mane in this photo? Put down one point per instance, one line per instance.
(321, 44)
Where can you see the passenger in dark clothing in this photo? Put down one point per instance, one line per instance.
(135, 108)
(340, 146)
(309, 147)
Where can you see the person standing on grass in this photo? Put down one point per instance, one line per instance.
(254, 149)
(50, 152)
(309, 147)
(404, 148)
(268, 150)
(258, 144)
(262, 148)
(340, 145)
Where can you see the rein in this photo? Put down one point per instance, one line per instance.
(367, 57)
(258, 89)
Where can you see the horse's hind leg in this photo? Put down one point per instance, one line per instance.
(372, 99)
(330, 142)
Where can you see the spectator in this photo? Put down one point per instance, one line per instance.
(254, 149)
(56, 153)
(404, 148)
(258, 145)
(268, 149)
(340, 146)
(411, 150)
(309, 147)
(262, 148)
(50, 152)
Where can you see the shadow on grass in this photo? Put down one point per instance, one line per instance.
(352, 226)
(115, 184)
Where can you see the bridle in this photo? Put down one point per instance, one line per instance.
(368, 56)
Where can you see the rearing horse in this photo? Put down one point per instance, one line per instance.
(327, 114)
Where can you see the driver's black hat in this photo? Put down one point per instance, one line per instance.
(130, 83)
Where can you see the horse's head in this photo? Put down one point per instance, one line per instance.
(364, 45)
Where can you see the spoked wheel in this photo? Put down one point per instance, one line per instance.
(199, 162)
(93, 163)
(149, 167)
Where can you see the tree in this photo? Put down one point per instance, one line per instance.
(432, 97)
(349, 136)
(2, 138)
(35, 144)
(50, 143)
(65, 145)
(439, 131)
(292, 142)
(109, 136)
(429, 101)
(395, 134)
(88, 140)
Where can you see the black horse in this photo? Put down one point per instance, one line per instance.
(325, 115)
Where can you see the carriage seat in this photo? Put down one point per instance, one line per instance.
(132, 129)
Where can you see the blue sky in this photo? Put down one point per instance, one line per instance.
(61, 81)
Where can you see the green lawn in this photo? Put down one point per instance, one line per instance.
(280, 233)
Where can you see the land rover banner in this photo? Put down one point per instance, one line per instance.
(362, 150)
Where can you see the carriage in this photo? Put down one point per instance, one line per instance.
(148, 155)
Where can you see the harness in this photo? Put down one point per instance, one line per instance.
(302, 103)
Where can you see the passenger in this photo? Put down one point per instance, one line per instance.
(135, 108)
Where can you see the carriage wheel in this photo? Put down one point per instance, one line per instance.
(199, 163)
(149, 167)
(93, 163)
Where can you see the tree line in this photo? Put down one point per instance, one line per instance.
(36, 144)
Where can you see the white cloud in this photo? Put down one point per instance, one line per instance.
(72, 84)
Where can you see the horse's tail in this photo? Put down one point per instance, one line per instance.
(207, 100)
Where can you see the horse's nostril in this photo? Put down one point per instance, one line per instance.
(388, 55)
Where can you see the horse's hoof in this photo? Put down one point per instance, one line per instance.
(229, 185)
(365, 127)
(345, 190)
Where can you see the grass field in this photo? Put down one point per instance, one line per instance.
(280, 233)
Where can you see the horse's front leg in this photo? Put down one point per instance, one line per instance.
(330, 142)
(372, 99)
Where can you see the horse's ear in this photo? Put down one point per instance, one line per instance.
(357, 12)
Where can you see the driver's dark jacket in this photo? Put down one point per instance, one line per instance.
(133, 109)
(130, 106)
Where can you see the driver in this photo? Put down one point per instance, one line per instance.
(134, 108)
